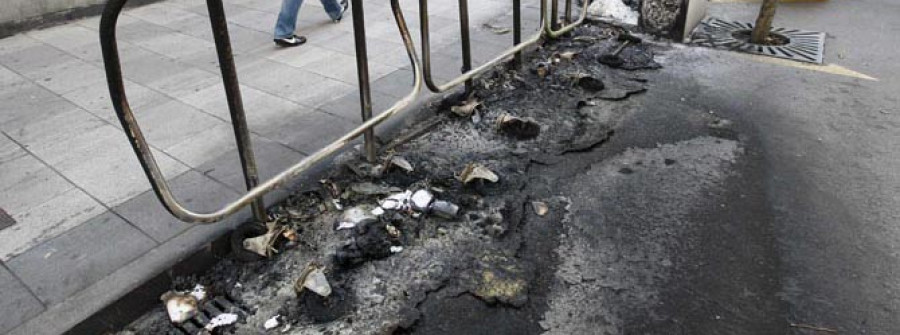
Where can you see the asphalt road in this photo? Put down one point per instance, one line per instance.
(806, 232)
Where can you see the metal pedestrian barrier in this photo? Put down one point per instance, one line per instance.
(256, 190)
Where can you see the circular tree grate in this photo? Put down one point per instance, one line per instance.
(795, 44)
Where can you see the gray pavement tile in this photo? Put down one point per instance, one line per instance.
(301, 56)
(271, 158)
(61, 317)
(348, 106)
(95, 99)
(272, 6)
(26, 102)
(66, 37)
(204, 145)
(177, 45)
(343, 68)
(254, 19)
(344, 44)
(160, 13)
(93, 22)
(242, 39)
(311, 132)
(144, 67)
(9, 79)
(54, 130)
(185, 82)
(263, 110)
(138, 30)
(192, 189)
(47, 220)
(70, 75)
(9, 150)
(294, 84)
(167, 124)
(25, 182)
(103, 163)
(69, 263)
(35, 59)
(16, 302)
(17, 43)
(397, 84)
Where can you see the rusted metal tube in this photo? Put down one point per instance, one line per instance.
(426, 52)
(554, 14)
(148, 162)
(362, 71)
(421, 72)
(235, 103)
(465, 40)
(517, 31)
(556, 33)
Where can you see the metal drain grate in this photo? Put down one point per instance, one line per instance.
(209, 310)
(802, 45)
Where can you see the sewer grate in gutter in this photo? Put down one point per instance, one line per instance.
(801, 45)
(6, 220)
(209, 310)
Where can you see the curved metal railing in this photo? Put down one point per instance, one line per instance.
(256, 190)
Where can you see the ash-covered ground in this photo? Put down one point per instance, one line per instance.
(643, 195)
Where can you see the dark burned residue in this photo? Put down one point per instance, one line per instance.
(659, 16)
(490, 266)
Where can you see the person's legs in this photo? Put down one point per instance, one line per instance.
(287, 18)
(334, 8)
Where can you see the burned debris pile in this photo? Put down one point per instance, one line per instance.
(441, 214)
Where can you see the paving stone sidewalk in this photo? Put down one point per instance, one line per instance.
(79, 226)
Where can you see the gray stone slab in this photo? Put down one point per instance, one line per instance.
(95, 99)
(35, 59)
(16, 302)
(66, 37)
(254, 19)
(348, 106)
(263, 110)
(59, 318)
(343, 67)
(9, 150)
(71, 262)
(311, 132)
(26, 102)
(138, 30)
(397, 84)
(104, 164)
(170, 123)
(294, 84)
(16, 43)
(47, 220)
(55, 130)
(204, 145)
(243, 40)
(144, 67)
(160, 13)
(271, 157)
(194, 190)
(178, 45)
(185, 82)
(70, 75)
(26, 182)
(302, 56)
(9, 79)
